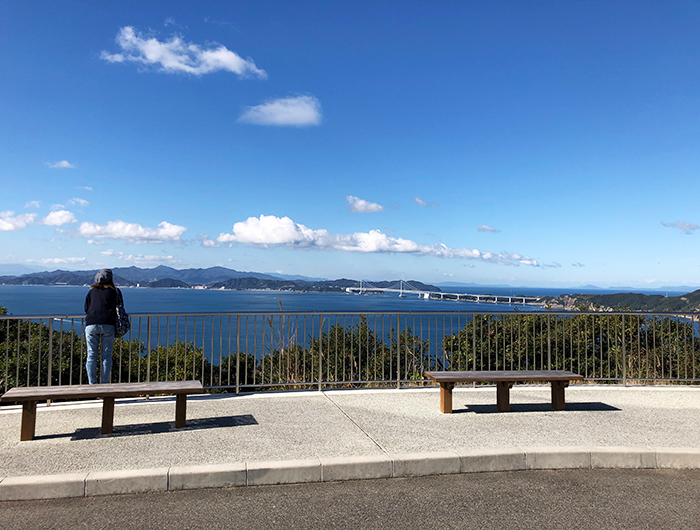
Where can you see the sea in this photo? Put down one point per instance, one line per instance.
(31, 300)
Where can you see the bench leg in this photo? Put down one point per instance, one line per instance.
(503, 396)
(107, 415)
(558, 387)
(446, 397)
(180, 411)
(28, 421)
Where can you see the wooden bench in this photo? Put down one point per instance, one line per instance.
(108, 392)
(504, 380)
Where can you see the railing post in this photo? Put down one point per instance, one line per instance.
(398, 352)
(148, 355)
(624, 354)
(549, 343)
(50, 373)
(320, 353)
(238, 354)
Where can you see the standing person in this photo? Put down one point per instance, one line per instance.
(100, 322)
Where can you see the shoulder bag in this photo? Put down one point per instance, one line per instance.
(123, 324)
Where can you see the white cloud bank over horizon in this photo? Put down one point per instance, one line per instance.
(178, 56)
(132, 232)
(138, 258)
(293, 111)
(270, 231)
(355, 204)
(57, 261)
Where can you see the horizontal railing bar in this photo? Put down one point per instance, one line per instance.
(348, 313)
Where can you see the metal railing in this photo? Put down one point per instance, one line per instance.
(247, 351)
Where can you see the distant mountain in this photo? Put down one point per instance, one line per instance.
(167, 284)
(131, 276)
(59, 277)
(338, 285)
(213, 277)
(13, 269)
(296, 277)
(191, 276)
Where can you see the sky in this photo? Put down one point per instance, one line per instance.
(543, 143)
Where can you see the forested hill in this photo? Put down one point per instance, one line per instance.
(633, 301)
(302, 285)
(212, 278)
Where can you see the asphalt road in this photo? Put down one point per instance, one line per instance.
(581, 499)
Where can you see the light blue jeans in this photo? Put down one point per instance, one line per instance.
(95, 334)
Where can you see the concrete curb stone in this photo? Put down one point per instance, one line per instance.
(558, 458)
(209, 476)
(356, 468)
(419, 464)
(126, 481)
(623, 458)
(343, 468)
(43, 487)
(676, 458)
(284, 472)
(484, 460)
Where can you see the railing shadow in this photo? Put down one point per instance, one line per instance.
(538, 407)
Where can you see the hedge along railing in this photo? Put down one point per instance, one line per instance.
(244, 351)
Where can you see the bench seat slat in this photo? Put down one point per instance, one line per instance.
(503, 375)
(101, 390)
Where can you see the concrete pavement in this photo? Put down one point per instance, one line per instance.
(311, 436)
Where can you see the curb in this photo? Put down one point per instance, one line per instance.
(341, 469)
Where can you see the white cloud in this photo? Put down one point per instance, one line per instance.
(178, 56)
(11, 223)
(270, 231)
(132, 232)
(59, 218)
(683, 225)
(421, 202)
(77, 200)
(137, 258)
(553, 265)
(299, 111)
(63, 164)
(355, 204)
(485, 228)
(88, 188)
(94, 242)
(577, 264)
(32, 204)
(207, 241)
(58, 261)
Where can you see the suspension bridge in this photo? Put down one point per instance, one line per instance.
(406, 289)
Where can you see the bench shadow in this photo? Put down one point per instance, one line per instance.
(537, 407)
(158, 427)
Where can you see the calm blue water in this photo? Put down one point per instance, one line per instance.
(64, 300)
(217, 335)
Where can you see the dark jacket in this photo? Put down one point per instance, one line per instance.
(101, 306)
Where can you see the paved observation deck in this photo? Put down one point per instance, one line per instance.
(307, 436)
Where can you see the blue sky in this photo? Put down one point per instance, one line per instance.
(527, 143)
